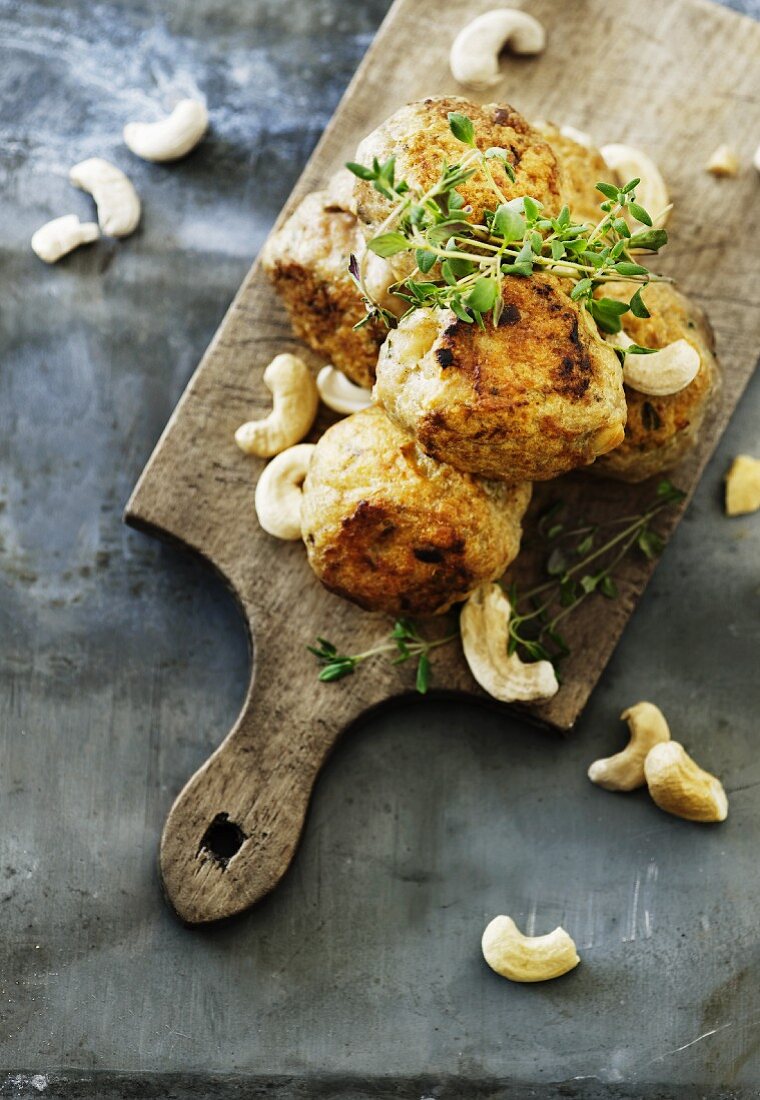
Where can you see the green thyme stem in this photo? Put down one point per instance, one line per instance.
(415, 648)
(633, 528)
(545, 261)
(405, 641)
(608, 570)
(607, 220)
(484, 166)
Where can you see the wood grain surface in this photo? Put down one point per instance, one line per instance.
(233, 830)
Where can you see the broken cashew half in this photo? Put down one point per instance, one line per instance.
(293, 410)
(527, 958)
(625, 770)
(61, 236)
(171, 138)
(115, 197)
(627, 163)
(743, 486)
(340, 394)
(679, 786)
(484, 625)
(279, 491)
(474, 56)
(663, 372)
(723, 162)
(580, 137)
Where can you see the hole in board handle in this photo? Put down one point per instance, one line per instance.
(222, 839)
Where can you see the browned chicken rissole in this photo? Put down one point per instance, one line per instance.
(394, 530)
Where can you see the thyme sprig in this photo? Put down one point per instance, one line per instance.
(405, 642)
(461, 265)
(582, 560)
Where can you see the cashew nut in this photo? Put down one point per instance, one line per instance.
(60, 236)
(627, 163)
(278, 492)
(340, 192)
(474, 57)
(340, 393)
(484, 626)
(756, 158)
(580, 137)
(681, 787)
(379, 277)
(625, 770)
(661, 373)
(295, 404)
(115, 197)
(743, 486)
(723, 162)
(527, 958)
(171, 138)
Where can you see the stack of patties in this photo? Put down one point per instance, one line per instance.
(412, 504)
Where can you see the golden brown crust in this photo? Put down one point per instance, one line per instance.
(581, 168)
(419, 137)
(660, 431)
(394, 530)
(538, 396)
(307, 261)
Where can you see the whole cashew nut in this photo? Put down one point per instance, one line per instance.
(379, 277)
(625, 770)
(474, 56)
(293, 411)
(171, 138)
(627, 163)
(663, 372)
(279, 491)
(527, 958)
(62, 235)
(340, 394)
(484, 626)
(115, 197)
(679, 786)
(743, 486)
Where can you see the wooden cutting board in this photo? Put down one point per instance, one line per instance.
(676, 77)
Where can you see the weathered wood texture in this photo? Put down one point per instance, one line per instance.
(678, 100)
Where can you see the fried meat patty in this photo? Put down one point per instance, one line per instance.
(394, 530)
(533, 398)
(307, 260)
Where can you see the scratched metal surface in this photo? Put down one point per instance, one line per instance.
(122, 663)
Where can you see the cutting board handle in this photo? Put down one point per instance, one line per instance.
(234, 828)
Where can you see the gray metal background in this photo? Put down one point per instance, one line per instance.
(122, 663)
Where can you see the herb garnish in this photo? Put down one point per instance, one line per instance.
(461, 265)
(405, 641)
(533, 631)
(582, 561)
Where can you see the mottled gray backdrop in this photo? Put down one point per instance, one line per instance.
(122, 663)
